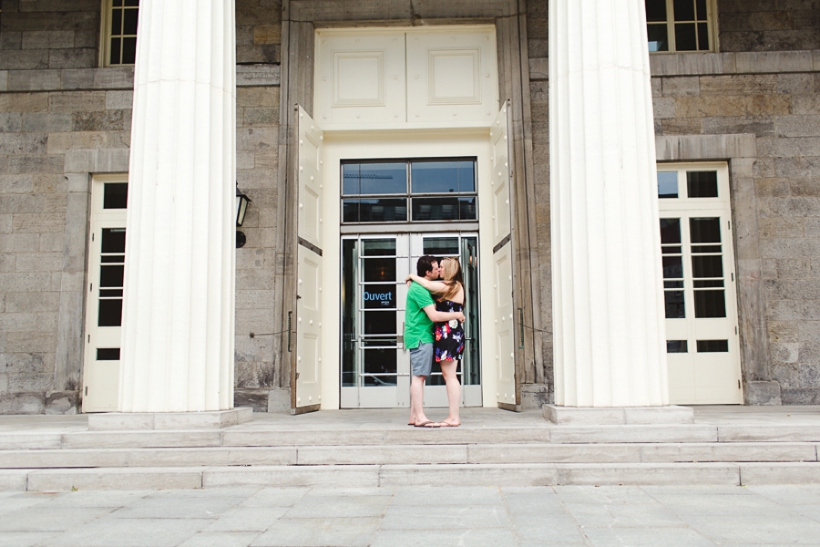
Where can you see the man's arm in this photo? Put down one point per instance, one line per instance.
(441, 316)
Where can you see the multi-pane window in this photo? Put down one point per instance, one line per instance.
(679, 25)
(424, 190)
(121, 32)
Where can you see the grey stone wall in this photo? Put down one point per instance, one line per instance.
(766, 25)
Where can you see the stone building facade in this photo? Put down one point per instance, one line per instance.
(753, 102)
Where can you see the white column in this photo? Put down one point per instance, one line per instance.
(608, 316)
(178, 319)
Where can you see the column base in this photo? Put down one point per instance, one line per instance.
(618, 416)
(146, 421)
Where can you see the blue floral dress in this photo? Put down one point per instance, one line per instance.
(449, 344)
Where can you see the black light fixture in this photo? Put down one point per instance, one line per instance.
(242, 202)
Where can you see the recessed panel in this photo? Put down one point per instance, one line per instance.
(453, 77)
(358, 78)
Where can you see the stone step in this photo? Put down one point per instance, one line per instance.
(411, 455)
(543, 474)
(294, 437)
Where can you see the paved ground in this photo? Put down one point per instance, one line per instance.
(418, 516)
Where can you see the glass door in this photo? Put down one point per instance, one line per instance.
(375, 367)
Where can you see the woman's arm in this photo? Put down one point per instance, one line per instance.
(435, 287)
(442, 316)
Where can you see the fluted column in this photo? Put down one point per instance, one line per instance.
(607, 296)
(178, 317)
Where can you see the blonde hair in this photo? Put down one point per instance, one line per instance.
(451, 270)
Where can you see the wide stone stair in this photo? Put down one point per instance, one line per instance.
(501, 449)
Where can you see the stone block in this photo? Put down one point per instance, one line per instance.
(119, 100)
(31, 59)
(257, 75)
(72, 58)
(378, 455)
(46, 122)
(34, 80)
(797, 126)
(31, 302)
(739, 84)
(553, 453)
(72, 102)
(142, 439)
(22, 403)
(22, 143)
(603, 416)
(267, 34)
(4, 80)
(10, 122)
(13, 480)
(47, 39)
(117, 421)
(663, 107)
(780, 473)
(348, 476)
(256, 399)
(96, 161)
(680, 86)
(279, 400)
(539, 68)
(59, 480)
(711, 474)
(59, 143)
(634, 433)
(469, 475)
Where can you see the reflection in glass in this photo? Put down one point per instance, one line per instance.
(703, 36)
(377, 247)
(349, 312)
(672, 267)
(113, 240)
(707, 266)
(685, 37)
(374, 210)
(115, 195)
(684, 10)
(667, 184)
(713, 346)
(379, 296)
(441, 246)
(431, 177)
(374, 178)
(380, 362)
(471, 358)
(710, 303)
(702, 184)
(655, 10)
(701, 4)
(379, 322)
(674, 304)
(670, 230)
(705, 230)
(435, 209)
(677, 346)
(658, 40)
(379, 269)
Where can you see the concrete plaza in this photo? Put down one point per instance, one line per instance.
(668, 516)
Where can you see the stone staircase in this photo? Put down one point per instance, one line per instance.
(299, 451)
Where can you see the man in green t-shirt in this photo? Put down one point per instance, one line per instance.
(419, 316)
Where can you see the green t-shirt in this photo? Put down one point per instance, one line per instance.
(418, 329)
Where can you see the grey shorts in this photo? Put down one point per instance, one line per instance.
(421, 360)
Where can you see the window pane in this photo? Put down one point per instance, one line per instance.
(704, 230)
(380, 322)
(108, 354)
(658, 40)
(379, 269)
(129, 51)
(684, 10)
(132, 2)
(670, 230)
(129, 21)
(435, 209)
(110, 313)
(349, 314)
(116, 22)
(701, 10)
(383, 210)
(705, 284)
(667, 184)
(713, 346)
(379, 247)
(702, 184)
(685, 37)
(673, 303)
(673, 284)
(380, 361)
(114, 58)
(350, 179)
(379, 296)
(672, 267)
(440, 246)
(115, 195)
(710, 304)
(383, 178)
(677, 346)
(707, 266)
(113, 240)
(467, 209)
(350, 210)
(111, 276)
(442, 176)
(655, 10)
(703, 36)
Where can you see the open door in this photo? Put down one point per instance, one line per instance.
(308, 325)
(502, 236)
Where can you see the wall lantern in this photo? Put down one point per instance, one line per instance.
(242, 202)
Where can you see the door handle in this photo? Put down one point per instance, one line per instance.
(400, 337)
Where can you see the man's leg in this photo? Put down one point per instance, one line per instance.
(448, 370)
(417, 400)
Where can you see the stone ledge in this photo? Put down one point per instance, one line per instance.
(130, 421)
(618, 416)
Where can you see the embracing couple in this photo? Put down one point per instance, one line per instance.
(433, 330)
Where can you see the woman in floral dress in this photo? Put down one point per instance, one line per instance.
(449, 336)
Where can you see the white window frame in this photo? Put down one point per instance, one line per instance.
(105, 36)
(711, 23)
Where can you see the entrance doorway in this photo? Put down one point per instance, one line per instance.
(375, 367)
